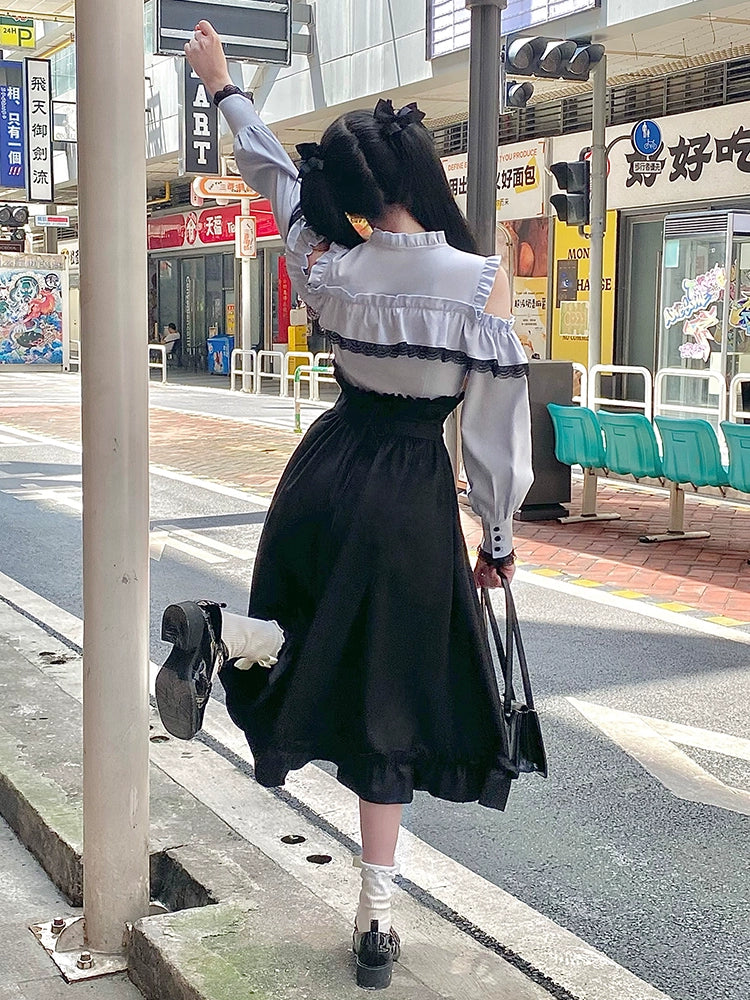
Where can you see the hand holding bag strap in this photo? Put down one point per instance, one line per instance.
(512, 617)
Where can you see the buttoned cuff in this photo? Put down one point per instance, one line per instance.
(239, 112)
(497, 540)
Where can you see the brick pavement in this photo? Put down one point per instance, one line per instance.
(709, 578)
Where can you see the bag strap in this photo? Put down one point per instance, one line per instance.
(510, 609)
(504, 653)
(513, 641)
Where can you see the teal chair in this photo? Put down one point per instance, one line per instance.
(578, 441)
(690, 454)
(632, 448)
(737, 437)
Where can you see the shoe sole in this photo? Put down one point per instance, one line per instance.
(182, 625)
(374, 977)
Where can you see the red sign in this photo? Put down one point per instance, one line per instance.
(198, 230)
(285, 303)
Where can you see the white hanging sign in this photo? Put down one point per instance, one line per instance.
(40, 185)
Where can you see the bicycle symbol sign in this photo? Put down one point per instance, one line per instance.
(646, 137)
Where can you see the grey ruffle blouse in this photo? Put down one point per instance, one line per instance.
(405, 313)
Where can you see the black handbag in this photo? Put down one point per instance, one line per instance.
(524, 733)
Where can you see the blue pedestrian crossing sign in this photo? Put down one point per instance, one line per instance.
(646, 137)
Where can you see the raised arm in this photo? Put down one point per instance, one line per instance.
(261, 158)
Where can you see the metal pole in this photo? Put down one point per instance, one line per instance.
(484, 113)
(246, 293)
(598, 210)
(114, 375)
(50, 233)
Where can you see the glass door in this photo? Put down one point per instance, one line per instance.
(194, 327)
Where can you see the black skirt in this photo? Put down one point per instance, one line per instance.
(386, 671)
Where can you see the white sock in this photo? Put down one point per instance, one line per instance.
(375, 895)
(251, 640)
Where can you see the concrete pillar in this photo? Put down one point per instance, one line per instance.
(112, 186)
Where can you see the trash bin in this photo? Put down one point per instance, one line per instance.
(549, 382)
(220, 355)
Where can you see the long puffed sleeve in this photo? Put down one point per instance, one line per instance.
(266, 167)
(262, 160)
(496, 441)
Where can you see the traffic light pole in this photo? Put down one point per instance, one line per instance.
(598, 210)
(484, 114)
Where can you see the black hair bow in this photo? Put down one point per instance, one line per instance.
(396, 121)
(312, 157)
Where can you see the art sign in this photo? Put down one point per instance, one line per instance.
(200, 127)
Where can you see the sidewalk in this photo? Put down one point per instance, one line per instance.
(708, 578)
(27, 897)
(249, 915)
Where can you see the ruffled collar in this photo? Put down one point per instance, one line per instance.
(383, 238)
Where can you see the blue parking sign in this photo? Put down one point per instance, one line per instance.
(12, 145)
(646, 137)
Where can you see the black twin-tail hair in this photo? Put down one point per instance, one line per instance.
(368, 165)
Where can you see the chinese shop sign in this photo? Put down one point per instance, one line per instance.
(12, 145)
(520, 179)
(188, 230)
(703, 154)
(40, 186)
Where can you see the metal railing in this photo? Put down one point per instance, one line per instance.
(304, 371)
(247, 374)
(308, 363)
(260, 374)
(736, 412)
(162, 350)
(324, 361)
(595, 401)
(74, 355)
(708, 411)
(581, 397)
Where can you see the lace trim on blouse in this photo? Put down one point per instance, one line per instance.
(426, 353)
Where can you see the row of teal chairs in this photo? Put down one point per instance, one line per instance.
(626, 444)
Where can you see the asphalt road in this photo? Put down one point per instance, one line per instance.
(658, 883)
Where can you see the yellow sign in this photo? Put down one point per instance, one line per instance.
(570, 302)
(231, 320)
(17, 33)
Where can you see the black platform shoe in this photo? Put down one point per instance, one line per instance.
(376, 954)
(183, 684)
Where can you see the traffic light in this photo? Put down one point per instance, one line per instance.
(14, 218)
(552, 58)
(573, 208)
(518, 95)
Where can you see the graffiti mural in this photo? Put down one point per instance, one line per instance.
(31, 314)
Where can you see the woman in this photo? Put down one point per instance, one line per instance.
(384, 668)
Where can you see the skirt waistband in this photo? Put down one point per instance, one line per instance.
(385, 424)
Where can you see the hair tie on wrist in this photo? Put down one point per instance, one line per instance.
(312, 157)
